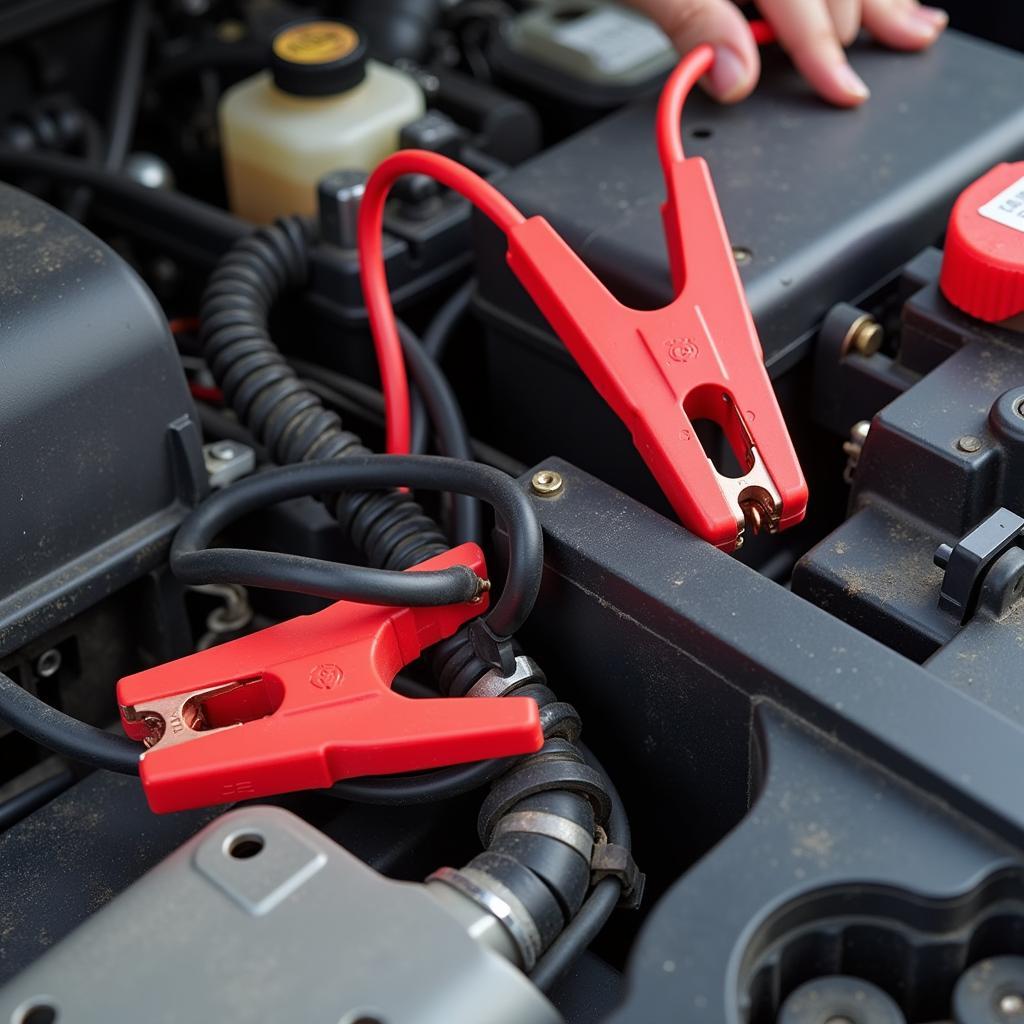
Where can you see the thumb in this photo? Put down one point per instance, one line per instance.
(688, 23)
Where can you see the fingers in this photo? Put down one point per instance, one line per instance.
(813, 32)
(904, 24)
(688, 23)
(808, 33)
(846, 19)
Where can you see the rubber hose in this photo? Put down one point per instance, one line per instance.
(287, 418)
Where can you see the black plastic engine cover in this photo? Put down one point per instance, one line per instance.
(99, 453)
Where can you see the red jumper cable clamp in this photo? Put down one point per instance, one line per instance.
(698, 358)
(309, 702)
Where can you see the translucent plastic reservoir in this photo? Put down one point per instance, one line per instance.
(277, 145)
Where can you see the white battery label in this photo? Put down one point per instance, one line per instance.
(615, 41)
(1007, 207)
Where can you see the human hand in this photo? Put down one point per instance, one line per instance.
(813, 32)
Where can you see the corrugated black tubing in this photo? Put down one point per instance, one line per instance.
(287, 418)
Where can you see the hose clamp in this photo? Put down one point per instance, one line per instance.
(493, 684)
(554, 826)
(613, 861)
(499, 901)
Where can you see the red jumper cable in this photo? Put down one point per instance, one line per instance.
(660, 370)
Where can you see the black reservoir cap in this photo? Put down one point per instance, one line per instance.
(318, 58)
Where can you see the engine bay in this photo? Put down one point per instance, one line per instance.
(494, 537)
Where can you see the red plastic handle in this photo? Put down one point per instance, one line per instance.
(309, 702)
(662, 370)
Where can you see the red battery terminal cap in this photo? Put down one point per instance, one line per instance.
(983, 265)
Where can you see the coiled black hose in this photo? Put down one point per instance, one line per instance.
(284, 415)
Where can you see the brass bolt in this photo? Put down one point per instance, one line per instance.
(547, 483)
(970, 444)
(864, 336)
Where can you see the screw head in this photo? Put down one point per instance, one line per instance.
(970, 444)
(223, 451)
(741, 255)
(547, 483)
(48, 663)
(1011, 1004)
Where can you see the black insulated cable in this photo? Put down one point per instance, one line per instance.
(420, 787)
(124, 107)
(192, 562)
(64, 735)
(29, 800)
(444, 413)
(440, 330)
(434, 340)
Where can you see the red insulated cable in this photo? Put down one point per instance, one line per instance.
(460, 179)
(677, 89)
(394, 382)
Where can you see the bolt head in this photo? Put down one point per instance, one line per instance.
(741, 255)
(868, 339)
(48, 663)
(1011, 1004)
(970, 444)
(864, 337)
(223, 452)
(860, 430)
(547, 483)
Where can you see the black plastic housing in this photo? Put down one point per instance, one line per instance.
(99, 454)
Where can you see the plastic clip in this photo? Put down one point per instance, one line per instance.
(308, 702)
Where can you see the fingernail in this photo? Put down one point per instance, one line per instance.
(927, 22)
(935, 16)
(728, 75)
(850, 82)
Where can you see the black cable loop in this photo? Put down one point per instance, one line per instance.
(192, 561)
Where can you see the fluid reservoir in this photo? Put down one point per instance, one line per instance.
(322, 106)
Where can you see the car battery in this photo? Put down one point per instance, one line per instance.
(822, 205)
